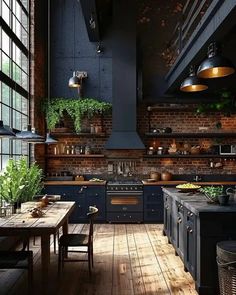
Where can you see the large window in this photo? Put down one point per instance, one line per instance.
(14, 74)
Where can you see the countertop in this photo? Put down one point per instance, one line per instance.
(197, 203)
(173, 182)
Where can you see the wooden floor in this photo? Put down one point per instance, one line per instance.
(129, 259)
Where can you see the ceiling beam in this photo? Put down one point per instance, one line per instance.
(90, 13)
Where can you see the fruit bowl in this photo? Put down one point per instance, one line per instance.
(188, 187)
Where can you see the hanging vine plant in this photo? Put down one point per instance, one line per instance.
(77, 109)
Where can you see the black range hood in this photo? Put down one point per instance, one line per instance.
(124, 81)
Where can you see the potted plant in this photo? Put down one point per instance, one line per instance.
(77, 109)
(20, 182)
(215, 194)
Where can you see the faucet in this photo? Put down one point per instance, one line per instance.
(197, 178)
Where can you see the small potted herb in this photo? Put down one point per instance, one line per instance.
(215, 194)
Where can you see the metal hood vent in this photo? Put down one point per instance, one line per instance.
(124, 82)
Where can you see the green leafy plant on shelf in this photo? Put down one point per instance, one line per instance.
(225, 103)
(77, 109)
(20, 182)
(212, 193)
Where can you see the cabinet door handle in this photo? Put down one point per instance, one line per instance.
(153, 210)
(153, 194)
(96, 195)
(189, 229)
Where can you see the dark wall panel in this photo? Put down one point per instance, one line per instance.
(68, 28)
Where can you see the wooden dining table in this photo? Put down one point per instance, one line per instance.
(55, 215)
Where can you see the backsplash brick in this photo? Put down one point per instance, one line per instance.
(179, 121)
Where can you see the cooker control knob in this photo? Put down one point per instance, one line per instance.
(131, 188)
(122, 188)
(116, 188)
(126, 188)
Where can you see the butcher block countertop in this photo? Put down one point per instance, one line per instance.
(173, 182)
(74, 182)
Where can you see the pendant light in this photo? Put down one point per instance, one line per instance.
(5, 132)
(215, 66)
(49, 139)
(30, 135)
(192, 83)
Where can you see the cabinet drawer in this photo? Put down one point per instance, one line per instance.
(125, 217)
(154, 215)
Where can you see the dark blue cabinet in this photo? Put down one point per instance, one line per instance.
(83, 196)
(153, 203)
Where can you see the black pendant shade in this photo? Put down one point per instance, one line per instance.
(30, 136)
(215, 66)
(5, 132)
(50, 140)
(74, 81)
(192, 83)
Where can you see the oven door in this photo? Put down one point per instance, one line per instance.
(124, 201)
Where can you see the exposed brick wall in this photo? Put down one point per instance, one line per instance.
(179, 121)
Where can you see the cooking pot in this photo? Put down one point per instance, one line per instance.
(166, 176)
(155, 175)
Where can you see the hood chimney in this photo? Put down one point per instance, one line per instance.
(124, 78)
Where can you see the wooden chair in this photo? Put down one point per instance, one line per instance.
(78, 240)
(22, 259)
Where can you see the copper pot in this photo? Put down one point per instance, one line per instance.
(166, 176)
(155, 175)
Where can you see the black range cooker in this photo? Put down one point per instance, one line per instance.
(125, 201)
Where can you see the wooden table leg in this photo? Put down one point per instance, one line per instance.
(65, 231)
(45, 258)
(65, 227)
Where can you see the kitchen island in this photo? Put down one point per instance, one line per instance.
(194, 227)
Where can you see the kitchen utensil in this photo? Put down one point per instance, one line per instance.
(166, 176)
(155, 176)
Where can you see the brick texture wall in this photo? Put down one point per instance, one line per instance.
(179, 121)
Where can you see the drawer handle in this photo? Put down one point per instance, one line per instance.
(189, 229)
(130, 216)
(153, 210)
(124, 208)
(96, 195)
(179, 220)
(153, 194)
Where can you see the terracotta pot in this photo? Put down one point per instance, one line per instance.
(166, 176)
(155, 175)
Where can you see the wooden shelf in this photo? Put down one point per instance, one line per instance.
(82, 134)
(76, 156)
(192, 135)
(192, 156)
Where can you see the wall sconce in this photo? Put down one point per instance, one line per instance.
(215, 66)
(76, 80)
(192, 83)
(99, 49)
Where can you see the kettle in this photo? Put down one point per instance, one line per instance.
(155, 175)
(166, 176)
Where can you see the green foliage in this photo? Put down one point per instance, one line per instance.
(76, 108)
(225, 103)
(19, 183)
(212, 192)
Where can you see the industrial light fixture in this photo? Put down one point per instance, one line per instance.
(76, 80)
(30, 135)
(5, 131)
(50, 139)
(192, 83)
(99, 49)
(215, 66)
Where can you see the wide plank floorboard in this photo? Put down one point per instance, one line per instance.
(129, 259)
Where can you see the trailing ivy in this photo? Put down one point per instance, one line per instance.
(75, 108)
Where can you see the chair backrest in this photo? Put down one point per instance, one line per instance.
(93, 212)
